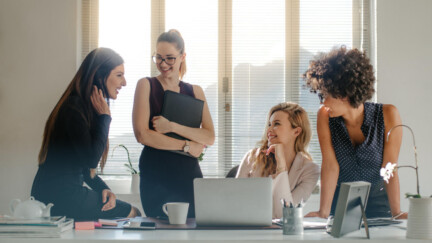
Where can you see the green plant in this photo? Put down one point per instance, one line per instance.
(201, 157)
(128, 165)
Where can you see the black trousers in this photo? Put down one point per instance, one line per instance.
(72, 199)
(166, 177)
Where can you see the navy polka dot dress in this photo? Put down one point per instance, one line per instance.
(362, 162)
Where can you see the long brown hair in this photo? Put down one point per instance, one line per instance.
(94, 70)
(173, 36)
(298, 117)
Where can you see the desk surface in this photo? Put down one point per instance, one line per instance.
(378, 234)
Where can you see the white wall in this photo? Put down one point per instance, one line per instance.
(404, 40)
(38, 45)
(37, 61)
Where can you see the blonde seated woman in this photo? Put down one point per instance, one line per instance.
(282, 156)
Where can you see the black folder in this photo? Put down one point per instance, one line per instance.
(182, 109)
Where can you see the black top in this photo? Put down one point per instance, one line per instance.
(157, 94)
(362, 162)
(75, 145)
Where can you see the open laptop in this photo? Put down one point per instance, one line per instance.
(233, 202)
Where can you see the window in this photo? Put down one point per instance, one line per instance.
(247, 56)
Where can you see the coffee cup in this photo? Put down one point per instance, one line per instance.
(176, 212)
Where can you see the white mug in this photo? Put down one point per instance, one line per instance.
(176, 212)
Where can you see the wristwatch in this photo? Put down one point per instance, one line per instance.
(186, 147)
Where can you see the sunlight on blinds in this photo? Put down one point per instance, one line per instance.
(124, 26)
(323, 25)
(200, 33)
(262, 50)
(258, 67)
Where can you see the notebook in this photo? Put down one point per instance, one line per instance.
(182, 109)
(233, 202)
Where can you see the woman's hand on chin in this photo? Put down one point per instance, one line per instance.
(277, 150)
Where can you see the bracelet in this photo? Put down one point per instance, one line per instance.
(397, 216)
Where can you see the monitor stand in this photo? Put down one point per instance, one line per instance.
(364, 218)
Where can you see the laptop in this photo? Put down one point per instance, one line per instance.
(233, 202)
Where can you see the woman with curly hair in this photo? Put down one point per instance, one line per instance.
(282, 155)
(352, 132)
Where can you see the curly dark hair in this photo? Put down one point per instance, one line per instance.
(342, 73)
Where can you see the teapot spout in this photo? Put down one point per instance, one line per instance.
(47, 211)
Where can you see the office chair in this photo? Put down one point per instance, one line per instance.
(233, 172)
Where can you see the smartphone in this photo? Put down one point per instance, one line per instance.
(148, 224)
(139, 225)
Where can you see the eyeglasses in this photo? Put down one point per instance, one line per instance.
(321, 97)
(168, 60)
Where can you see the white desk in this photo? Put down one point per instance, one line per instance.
(378, 234)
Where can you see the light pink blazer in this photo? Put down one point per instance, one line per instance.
(293, 186)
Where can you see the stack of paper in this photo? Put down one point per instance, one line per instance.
(44, 227)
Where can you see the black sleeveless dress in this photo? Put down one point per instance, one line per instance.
(166, 176)
(362, 162)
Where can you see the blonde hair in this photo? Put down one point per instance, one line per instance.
(173, 36)
(298, 117)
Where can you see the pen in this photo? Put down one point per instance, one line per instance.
(291, 205)
(300, 203)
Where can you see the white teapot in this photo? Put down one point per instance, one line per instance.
(30, 209)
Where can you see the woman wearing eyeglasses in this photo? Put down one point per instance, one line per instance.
(352, 132)
(167, 176)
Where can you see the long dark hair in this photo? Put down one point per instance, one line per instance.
(94, 70)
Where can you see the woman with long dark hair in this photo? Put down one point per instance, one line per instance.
(75, 140)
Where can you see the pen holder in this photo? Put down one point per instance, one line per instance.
(292, 221)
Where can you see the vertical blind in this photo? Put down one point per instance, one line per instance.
(247, 56)
(125, 27)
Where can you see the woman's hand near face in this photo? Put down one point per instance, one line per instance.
(195, 149)
(277, 150)
(99, 102)
(161, 124)
(109, 198)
